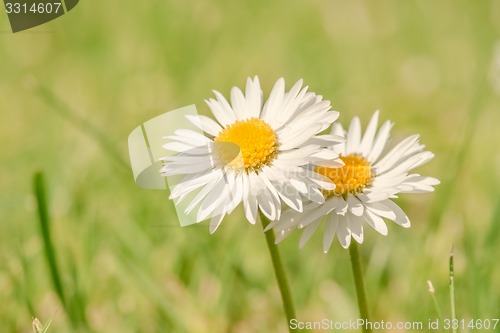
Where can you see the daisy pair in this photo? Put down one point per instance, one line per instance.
(278, 157)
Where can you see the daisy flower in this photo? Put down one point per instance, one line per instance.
(274, 143)
(371, 177)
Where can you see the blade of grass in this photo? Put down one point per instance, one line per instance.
(452, 292)
(46, 326)
(39, 328)
(48, 246)
(50, 253)
(432, 291)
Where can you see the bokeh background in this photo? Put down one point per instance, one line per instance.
(72, 90)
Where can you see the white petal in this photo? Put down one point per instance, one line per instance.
(424, 157)
(338, 130)
(281, 235)
(249, 200)
(323, 182)
(177, 146)
(324, 154)
(235, 190)
(380, 142)
(205, 124)
(367, 142)
(376, 222)
(340, 205)
(353, 136)
(395, 154)
(315, 119)
(356, 226)
(299, 137)
(411, 163)
(326, 140)
(381, 209)
(268, 201)
(267, 205)
(355, 206)
(315, 196)
(299, 184)
(189, 150)
(177, 169)
(336, 163)
(189, 185)
(330, 230)
(373, 196)
(312, 212)
(212, 200)
(238, 103)
(290, 104)
(418, 184)
(253, 94)
(415, 178)
(290, 197)
(343, 233)
(388, 180)
(215, 222)
(267, 195)
(307, 233)
(221, 109)
(301, 154)
(274, 102)
(401, 217)
(251, 208)
(189, 137)
(187, 159)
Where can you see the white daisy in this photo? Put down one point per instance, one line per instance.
(365, 185)
(275, 143)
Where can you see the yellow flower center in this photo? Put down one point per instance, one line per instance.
(257, 142)
(352, 178)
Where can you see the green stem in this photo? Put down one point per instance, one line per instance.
(452, 292)
(279, 271)
(360, 286)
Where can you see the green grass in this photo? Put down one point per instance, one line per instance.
(48, 245)
(106, 256)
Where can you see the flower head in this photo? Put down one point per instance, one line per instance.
(365, 186)
(255, 153)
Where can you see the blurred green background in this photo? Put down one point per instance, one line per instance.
(73, 89)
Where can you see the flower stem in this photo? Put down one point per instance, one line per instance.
(279, 271)
(360, 286)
